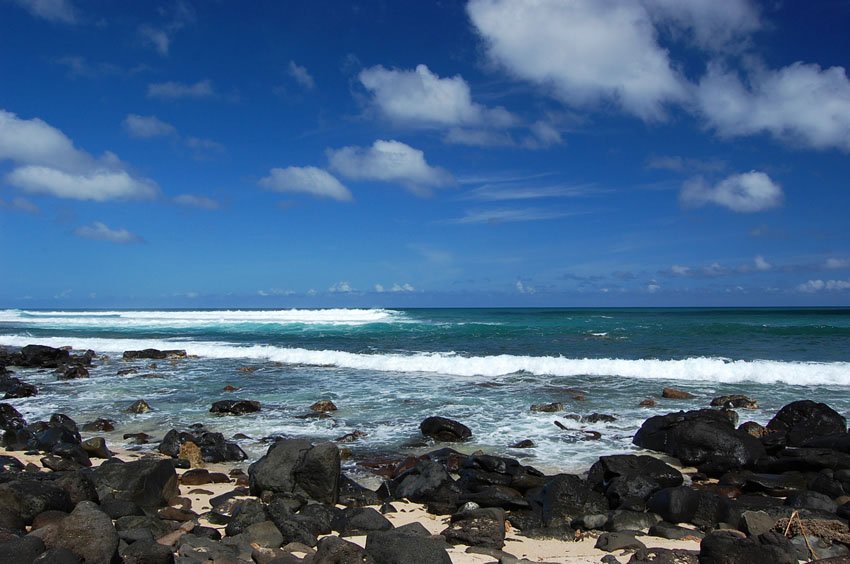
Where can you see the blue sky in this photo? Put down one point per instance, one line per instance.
(480, 153)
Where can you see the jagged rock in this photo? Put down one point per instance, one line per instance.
(354, 521)
(566, 497)
(547, 407)
(235, 407)
(99, 426)
(87, 532)
(139, 406)
(525, 443)
(96, 447)
(10, 418)
(246, 513)
(42, 356)
(443, 429)
(73, 372)
(730, 547)
(334, 550)
(296, 466)
(756, 523)
(479, 527)
(154, 354)
(12, 387)
(735, 401)
(802, 420)
(323, 406)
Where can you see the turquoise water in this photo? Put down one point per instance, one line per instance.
(388, 369)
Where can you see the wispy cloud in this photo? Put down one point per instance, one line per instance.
(19, 204)
(56, 11)
(160, 36)
(300, 75)
(814, 286)
(508, 216)
(179, 90)
(101, 232)
(146, 127)
(194, 201)
(676, 163)
(523, 191)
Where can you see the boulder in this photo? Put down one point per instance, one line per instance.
(10, 418)
(22, 550)
(138, 406)
(673, 393)
(96, 447)
(88, 532)
(355, 521)
(323, 406)
(731, 547)
(148, 483)
(699, 437)
(397, 546)
(235, 407)
(566, 497)
(154, 354)
(99, 426)
(29, 497)
(802, 420)
(147, 552)
(609, 542)
(334, 550)
(478, 527)
(12, 387)
(426, 482)
(213, 446)
(296, 466)
(443, 429)
(73, 372)
(547, 407)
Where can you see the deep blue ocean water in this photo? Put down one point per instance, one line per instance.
(389, 369)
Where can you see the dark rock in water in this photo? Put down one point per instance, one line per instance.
(547, 407)
(137, 438)
(802, 420)
(334, 550)
(12, 387)
(673, 393)
(354, 521)
(648, 402)
(609, 542)
(10, 418)
(752, 428)
(598, 418)
(235, 407)
(351, 437)
(154, 354)
(399, 545)
(698, 437)
(443, 429)
(41, 356)
(323, 406)
(730, 547)
(99, 426)
(148, 483)
(525, 443)
(479, 527)
(296, 466)
(72, 372)
(735, 401)
(23, 550)
(147, 552)
(87, 532)
(139, 406)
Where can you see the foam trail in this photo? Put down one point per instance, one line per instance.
(182, 319)
(709, 369)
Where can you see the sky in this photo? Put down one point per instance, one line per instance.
(420, 154)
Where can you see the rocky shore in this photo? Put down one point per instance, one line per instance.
(708, 490)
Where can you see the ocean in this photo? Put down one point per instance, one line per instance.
(388, 369)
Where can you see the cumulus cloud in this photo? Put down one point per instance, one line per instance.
(306, 180)
(390, 161)
(47, 162)
(145, 127)
(300, 75)
(584, 52)
(813, 286)
(713, 26)
(194, 201)
(56, 11)
(341, 288)
(178, 90)
(761, 264)
(744, 193)
(101, 232)
(801, 104)
(395, 288)
(420, 97)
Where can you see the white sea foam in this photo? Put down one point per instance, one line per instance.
(182, 319)
(707, 369)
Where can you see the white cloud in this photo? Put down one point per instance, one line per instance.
(176, 90)
(543, 134)
(146, 127)
(511, 191)
(97, 185)
(306, 180)
(402, 288)
(379, 288)
(49, 163)
(745, 193)
(800, 104)
(762, 264)
(680, 270)
(653, 287)
(275, 292)
(157, 38)
(420, 97)
(389, 161)
(341, 288)
(301, 76)
(508, 216)
(196, 201)
(813, 286)
(100, 232)
(833, 263)
(711, 25)
(57, 11)
(584, 52)
(524, 288)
